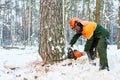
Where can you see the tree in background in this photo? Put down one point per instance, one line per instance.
(19, 19)
(118, 32)
(51, 39)
(101, 11)
(97, 12)
(19, 22)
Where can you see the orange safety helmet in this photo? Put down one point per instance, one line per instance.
(72, 21)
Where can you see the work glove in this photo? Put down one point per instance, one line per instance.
(70, 53)
(69, 46)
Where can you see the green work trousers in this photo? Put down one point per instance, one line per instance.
(101, 46)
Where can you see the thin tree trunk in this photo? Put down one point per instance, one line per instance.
(97, 14)
(89, 13)
(3, 23)
(118, 41)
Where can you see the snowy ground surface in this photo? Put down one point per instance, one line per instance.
(28, 66)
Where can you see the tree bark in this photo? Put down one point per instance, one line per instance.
(51, 39)
(118, 32)
(97, 15)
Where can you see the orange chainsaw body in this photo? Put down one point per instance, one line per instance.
(77, 54)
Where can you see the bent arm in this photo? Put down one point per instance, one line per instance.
(74, 39)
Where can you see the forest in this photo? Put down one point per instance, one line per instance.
(20, 19)
(35, 37)
(45, 22)
(19, 22)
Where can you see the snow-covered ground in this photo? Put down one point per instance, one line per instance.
(28, 66)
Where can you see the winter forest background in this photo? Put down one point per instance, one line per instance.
(19, 19)
(35, 32)
(26, 22)
(19, 22)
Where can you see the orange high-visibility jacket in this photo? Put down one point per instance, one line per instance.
(88, 29)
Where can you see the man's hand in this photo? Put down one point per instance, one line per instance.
(70, 53)
(69, 46)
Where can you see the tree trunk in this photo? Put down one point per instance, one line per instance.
(118, 32)
(89, 12)
(97, 14)
(51, 40)
(118, 41)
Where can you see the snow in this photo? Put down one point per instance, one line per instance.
(28, 66)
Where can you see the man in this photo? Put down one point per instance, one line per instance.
(96, 37)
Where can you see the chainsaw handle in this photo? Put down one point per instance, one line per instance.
(70, 50)
(69, 53)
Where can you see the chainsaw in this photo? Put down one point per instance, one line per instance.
(73, 54)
